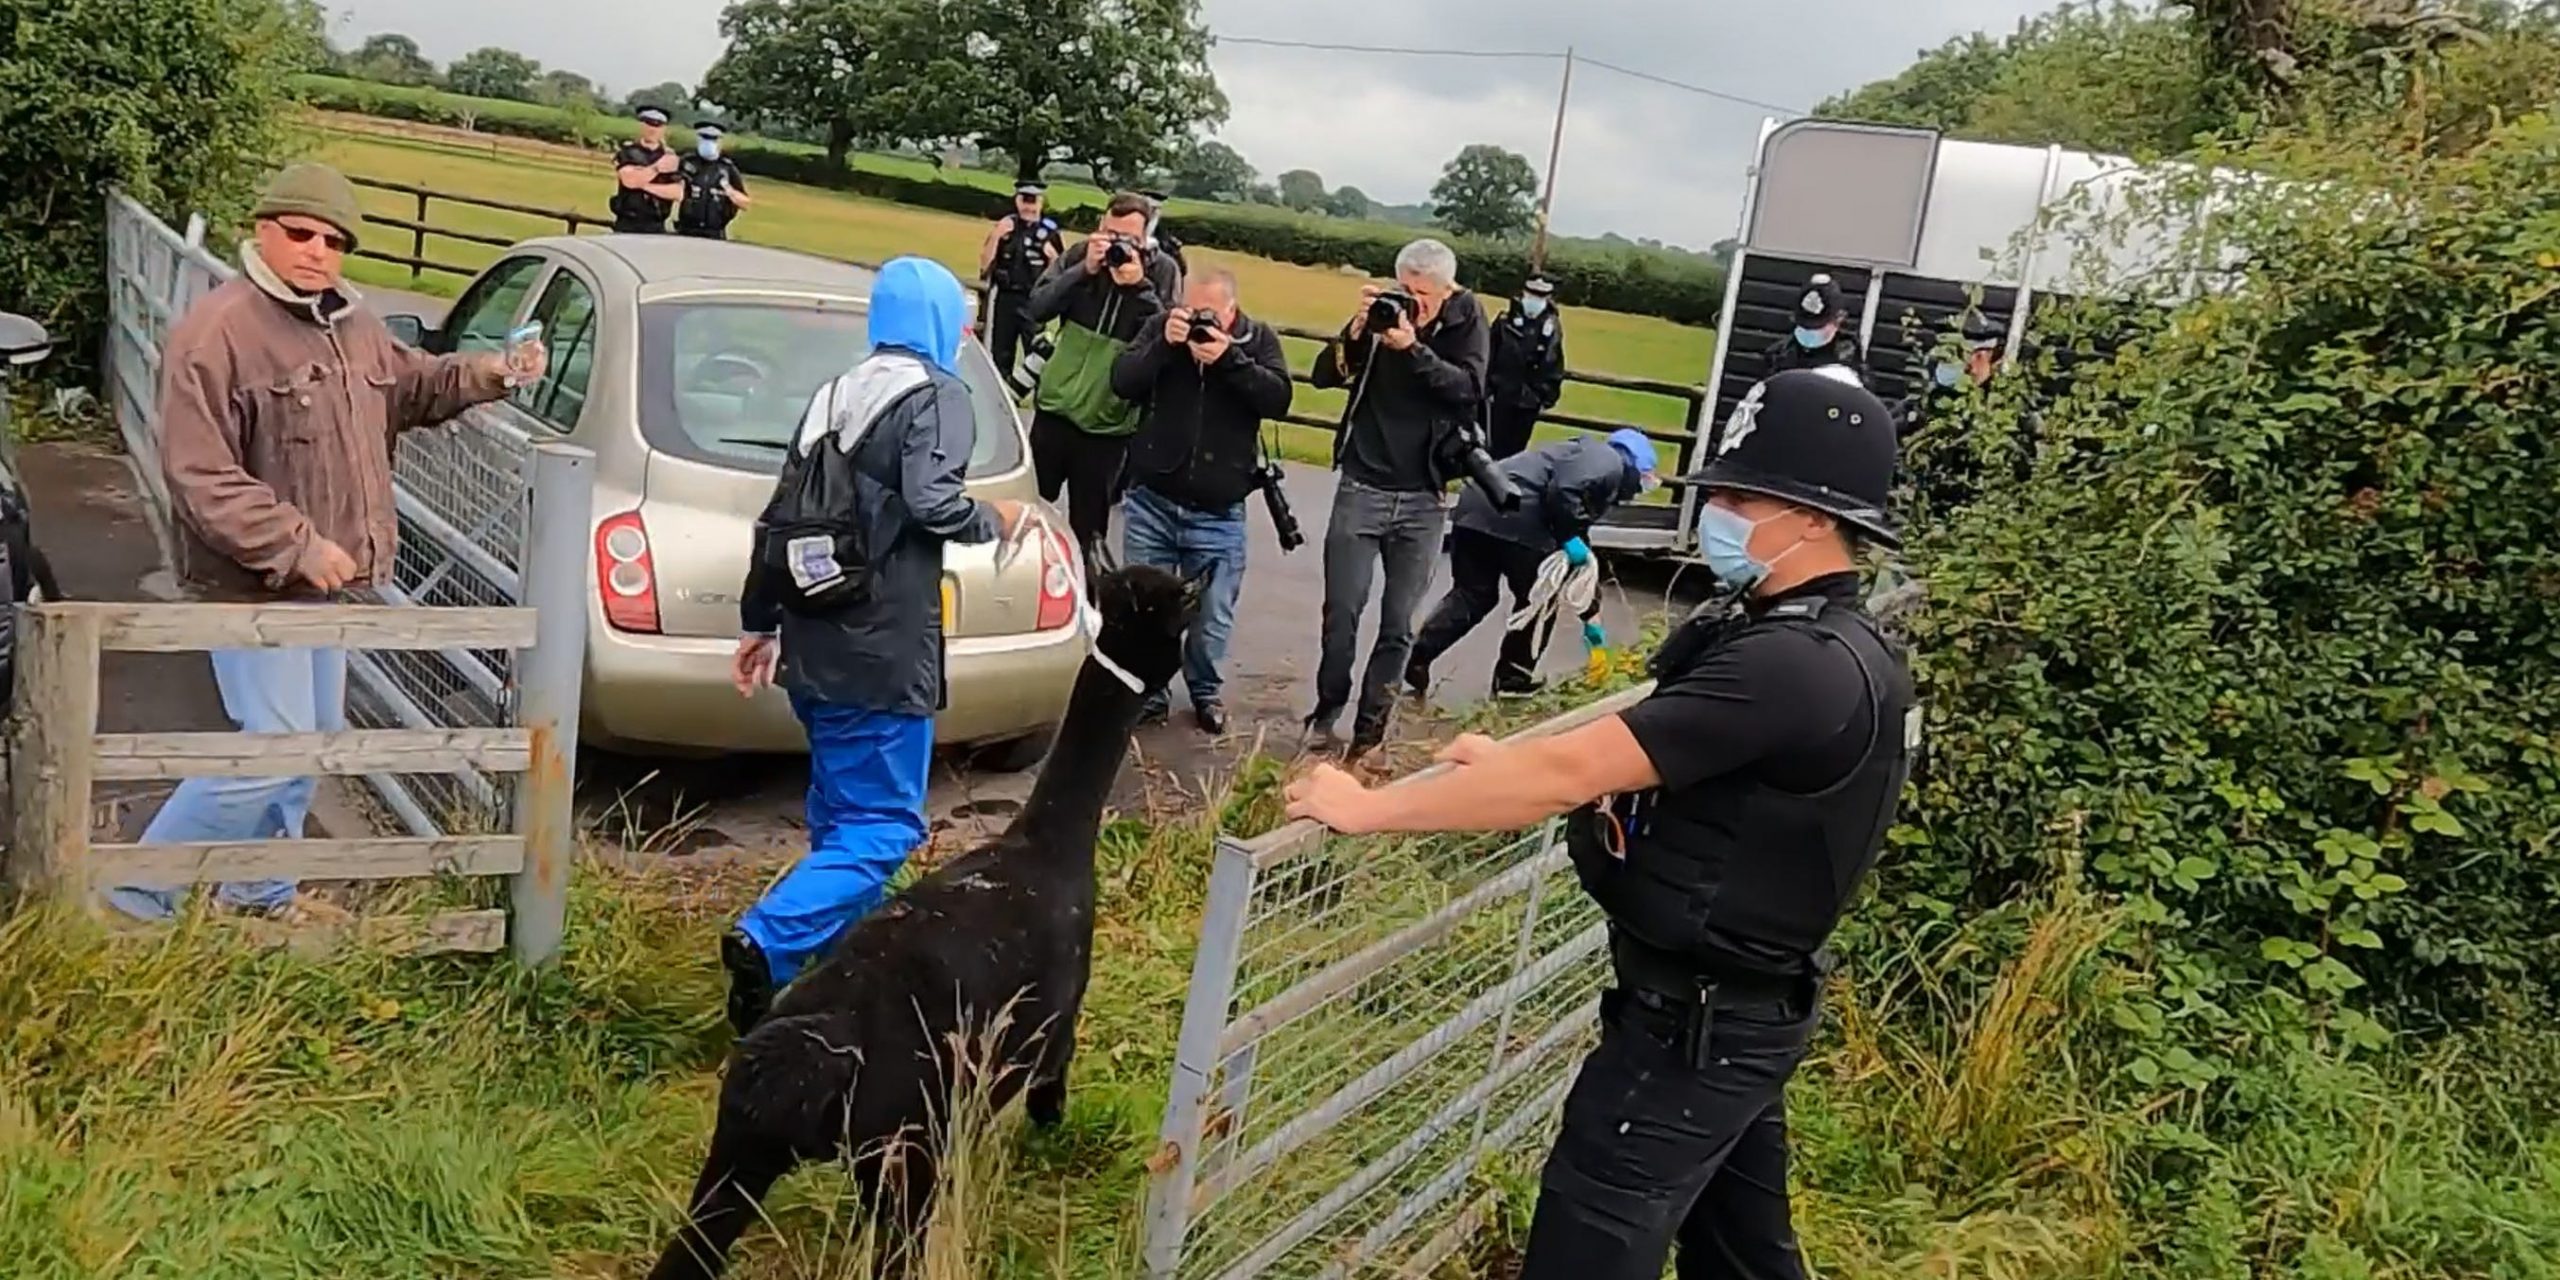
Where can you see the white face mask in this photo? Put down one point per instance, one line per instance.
(1533, 307)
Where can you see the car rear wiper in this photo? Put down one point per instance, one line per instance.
(757, 441)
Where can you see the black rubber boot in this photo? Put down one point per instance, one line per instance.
(750, 980)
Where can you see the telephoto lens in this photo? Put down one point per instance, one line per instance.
(1284, 522)
(1204, 326)
(1488, 477)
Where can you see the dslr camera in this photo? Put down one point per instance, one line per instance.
(1389, 309)
(1275, 500)
(1119, 253)
(1204, 327)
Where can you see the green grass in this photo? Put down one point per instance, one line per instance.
(847, 226)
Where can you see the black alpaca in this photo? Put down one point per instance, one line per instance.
(994, 946)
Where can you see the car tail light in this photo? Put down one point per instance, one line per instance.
(1057, 580)
(624, 575)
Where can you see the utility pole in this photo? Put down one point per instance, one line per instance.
(1555, 152)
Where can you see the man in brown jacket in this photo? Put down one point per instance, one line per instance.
(279, 398)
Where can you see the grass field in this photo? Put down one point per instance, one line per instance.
(845, 226)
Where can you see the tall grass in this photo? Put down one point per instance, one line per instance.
(174, 1105)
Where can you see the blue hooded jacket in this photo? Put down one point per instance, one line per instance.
(918, 305)
(911, 428)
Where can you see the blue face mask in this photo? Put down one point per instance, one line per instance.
(1810, 339)
(1533, 307)
(1947, 374)
(707, 148)
(1725, 537)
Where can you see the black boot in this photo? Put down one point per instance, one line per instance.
(1212, 717)
(750, 980)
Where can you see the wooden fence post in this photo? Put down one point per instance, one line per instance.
(51, 748)
(418, 242)
(553, 582)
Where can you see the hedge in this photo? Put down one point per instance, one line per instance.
(1677, 287)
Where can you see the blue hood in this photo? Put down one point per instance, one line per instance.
(1636, 447)
(918, 305)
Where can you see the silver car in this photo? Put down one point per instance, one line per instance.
(685, 365)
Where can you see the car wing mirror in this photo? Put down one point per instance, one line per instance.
(23, 341)
(410, 330)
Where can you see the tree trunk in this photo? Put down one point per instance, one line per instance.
(1028, 161)
(839, 142)
(2249, 55)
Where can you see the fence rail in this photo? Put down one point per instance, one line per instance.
(1371, 1025)
(57, 755)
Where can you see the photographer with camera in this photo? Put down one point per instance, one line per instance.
(1104, 293)
(1414, 359)
(1208, 378)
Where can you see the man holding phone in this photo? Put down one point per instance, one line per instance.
(280, 400)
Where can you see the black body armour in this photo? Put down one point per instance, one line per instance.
(1735, 880)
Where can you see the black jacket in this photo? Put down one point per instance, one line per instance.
(1065, 291)
(1564, 488)
(884, 653)
(1201, 437)
(1527, 370)
(1411, 411)
(1787, 353)
(1022, 255)
(705, 210)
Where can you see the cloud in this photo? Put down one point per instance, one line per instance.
(1639, 158)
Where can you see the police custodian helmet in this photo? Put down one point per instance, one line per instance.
(1815, 438)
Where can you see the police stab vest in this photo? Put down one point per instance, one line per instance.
(1735, 877)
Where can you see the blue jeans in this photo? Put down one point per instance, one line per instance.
(867, 772)
(1156, 530)
(265, 691)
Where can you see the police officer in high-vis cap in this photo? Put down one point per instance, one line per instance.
(714, 188)
(1822, 334)
(1019, 247)
(1723, 824)
(1951, 377)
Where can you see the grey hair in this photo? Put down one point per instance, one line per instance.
(1222, 278)
(1429, 259)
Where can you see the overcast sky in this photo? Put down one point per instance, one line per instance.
(1639, 159)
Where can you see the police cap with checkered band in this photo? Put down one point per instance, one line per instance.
(1816, 438)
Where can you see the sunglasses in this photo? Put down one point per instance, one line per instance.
(305, 235)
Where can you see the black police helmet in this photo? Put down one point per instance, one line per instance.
(1815, 438)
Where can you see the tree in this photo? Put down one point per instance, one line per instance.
(1487, 191)
(566, 88)
(493, 73)
(1106, 84)
(1349, 202)
(671, 96)
(390, 58)
(1209, 170)
(181, 104)
(1302, 190)
(809, 64)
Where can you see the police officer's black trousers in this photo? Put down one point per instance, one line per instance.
(1656, 1151)
(1480, 566)
(1007, 330)
(1509, 427)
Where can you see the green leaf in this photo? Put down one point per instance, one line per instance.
(2357, 936)
(2192, 868)
(2144, 1070)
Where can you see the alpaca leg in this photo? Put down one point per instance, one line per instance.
(735, 1178)
(1046, 1098)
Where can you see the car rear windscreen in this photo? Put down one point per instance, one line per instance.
(727, 381)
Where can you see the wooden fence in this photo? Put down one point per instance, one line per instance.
(57, 754)
(1694, 398)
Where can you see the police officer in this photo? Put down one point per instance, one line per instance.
(1982, 338)
(1526, 377)
(646, 185)
(714, 189)
(1723, 824)
(1821, 334)
(1018, 248)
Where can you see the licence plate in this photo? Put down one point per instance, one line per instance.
(947, 610)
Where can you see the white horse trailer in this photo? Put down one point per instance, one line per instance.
(1911, 225)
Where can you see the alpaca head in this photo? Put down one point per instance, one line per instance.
(1146, 611)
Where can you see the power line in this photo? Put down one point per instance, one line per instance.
(1389, 49)
(1669, 83)
(1515, 54)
